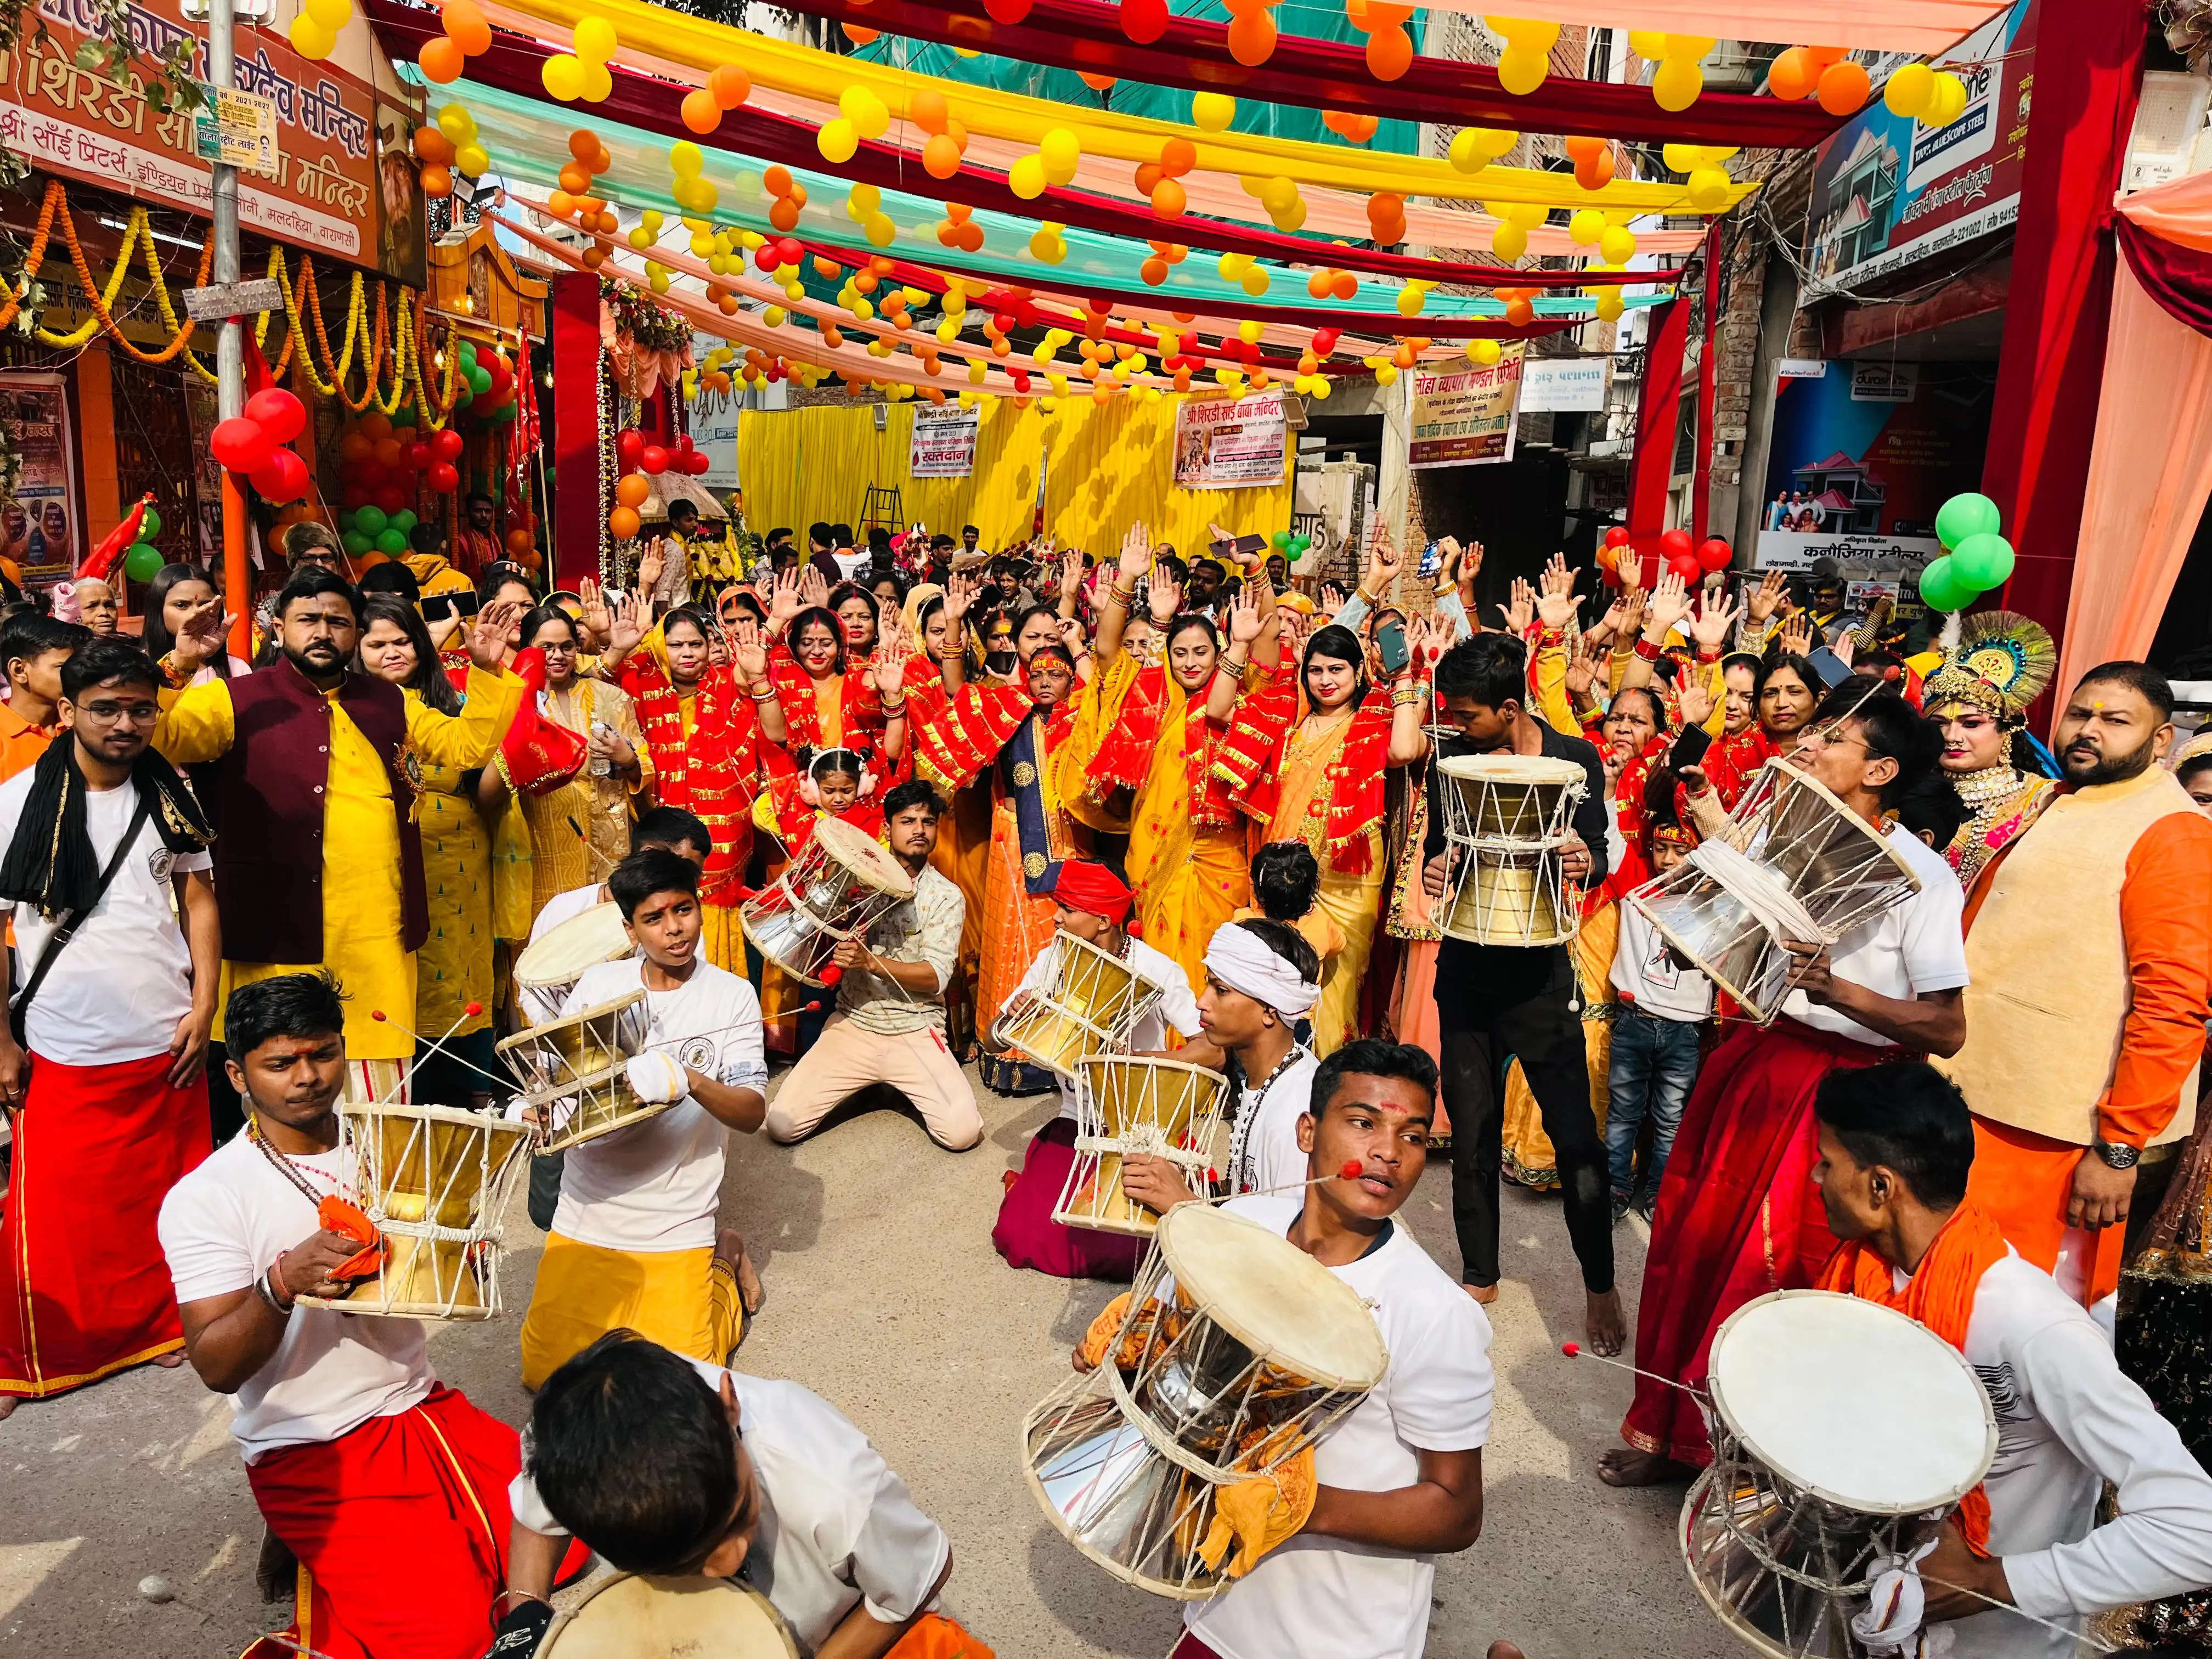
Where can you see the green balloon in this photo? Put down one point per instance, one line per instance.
(354, 543)
(1985, 560)
(1942, 588)
(1300, 543)
(150, 526)
(392, 541)
(142, 563)
(369, 520)
(502, 415)
(480, 379)
(403, 521)
(1279, 541)
(1967, 515)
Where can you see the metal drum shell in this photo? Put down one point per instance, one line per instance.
(1115, 1094)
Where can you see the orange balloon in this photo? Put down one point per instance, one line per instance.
(467, 28)
(1252, 39)
(1844, 87)
(607, 222)
(622, 523)
(783, 214)
(1169, 199)
(797, 196)
(1182, 380)
(927, 108)
(437, 181)
(731, 85)
(560, 203)
(1177, 157)
(432, 146)
(940, 157)
(1594, 172)
(1154, 271)
(1389, 51)
(1519, 313)
(1822, 56)
(576, 178)
(602, 160)
(1792, 74)
(971, 237)
(441, 60)
(1096, 83)
(631, 490)
(517, 541)
(1317, 284)
(1346, 287)
(859, 36)
(584, 144)
(699, 112)
(776, 181)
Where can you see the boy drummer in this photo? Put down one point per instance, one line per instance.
(634, 1243)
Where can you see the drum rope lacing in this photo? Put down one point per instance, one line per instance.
(1143, 1140)
(1760, 891)
(1168, 1447)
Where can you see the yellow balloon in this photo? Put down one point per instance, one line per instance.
(1617, 244)
(686, 159)
(1586, 227)
(599, 82)
(595, 40)
(473, 160)
(774, 316)
(1059, 149)
(838, 140)
(1677, 82)
(640, 238)
(1321, 388)
(1648, 43)
(1410, 301)
(1467, 153)
(1026, 178)
(1682, 158)
(1526, 214)
(874, 118)
(1277, 194)
(1709, 190)
(1256, 280)
(563, 78)
(1508, 242)
(1610, 305)
(456, 122)
(1387, 375)
(1211, 112)
(1909, 91)
(1250, 330)
(881, 231)
(1948, 102)
(332, 14)
(310, 39)
(1522, 72)
(861, 201)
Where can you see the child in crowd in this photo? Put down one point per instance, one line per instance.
(1663, 1006)
(833, 783)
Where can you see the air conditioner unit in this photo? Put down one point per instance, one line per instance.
(2169, 122)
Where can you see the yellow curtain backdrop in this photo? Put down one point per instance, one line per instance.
(802, 466)
(1109, 464)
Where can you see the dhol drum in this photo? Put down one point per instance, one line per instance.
(1795, 863)
(1239, 1351)
(1127, 1107)
(548, 968)
(1506, 817)
(1095, 1002)
(435, 1183)
(836, 889)
(1842, 1433)
(628, 1616)
(572, 1069)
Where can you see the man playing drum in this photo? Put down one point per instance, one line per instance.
(890, 1024)
(1896, 1145)
(1094, 906)
(634, 1243)
(388, 1487)
(1734, 1218)
(677, 1467)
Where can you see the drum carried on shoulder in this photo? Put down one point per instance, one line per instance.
(1094, 1003)
(1132, 1106)
(1237, 1353)
(1506, 818)
(628, 1616)
(836, 888)
(1844, 1433)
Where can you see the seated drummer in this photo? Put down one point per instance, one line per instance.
(889, 1024)
(634, 1244)
(1896, 1145)
(1094, 907)
(676, 1468)
(388, 1487)
(1398, 1481)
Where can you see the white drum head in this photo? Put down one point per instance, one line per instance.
(1272, 1296)
(865, 857)
(1512, 768)
(631, 1617)
(1852, 1401)
(581, 942)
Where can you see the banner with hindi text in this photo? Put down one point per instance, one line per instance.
(942, 445)
(1463, 416)
(1230, 443)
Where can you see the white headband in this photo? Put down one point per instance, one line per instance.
(1244, 962)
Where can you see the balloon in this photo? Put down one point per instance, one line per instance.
(369, 520)
(143, 562)
(1843, 87)
(1686, 565)
(391, 541)
(1618, 535)
(1941, 587)
(240, 444)
(622, 524)
(1144, 21)
(448, 445)
(699, 112)
(654, 459)
(1676, 543)
(1676, 83)
(1909, 89)
(1792, 74)
(517, 541)
(315, 40)
(1983, 562)
(1714, 553)
(629, 445)
(631, 490)
(355, 543)
(1279, 541)
(442, 59)
(418, 456)
(1966, 515)
(1519, 72)
(392, 499)
(404, 521)
(283, 478)
(444, 477)
(280, 414)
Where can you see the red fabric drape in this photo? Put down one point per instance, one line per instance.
(2178, 278)
(577, 523)
(1658, 419)
(1701, 491)
(2088, 59)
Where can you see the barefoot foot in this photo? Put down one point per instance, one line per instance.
(169, 1361)
(1605, 1328)
(1485, 1294)
(1625, 1466)
(729, 1246)
(1502, 1648)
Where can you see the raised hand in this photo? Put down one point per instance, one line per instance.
(1522, 610)
(1382, 564)
(1332, 598)
(1716, 614)
(813, 587)
(592, 615)
(1585, 666)
(1766, 598)
(889, 668)
(748, 649)
(1669, 604)
(786, 598)
(625, 624)
(1244, 620)
(488, 633)
(203, 633)
(1632, 617)
(959, 595)
(1797, 635)
(1071, 573)
(1136, 553)
(651, 562)
(1426, 640)
(1469, 562)
(1609, 625)
(1162, 595)
(1072, 637)
(1695, 699)
(1556, 603)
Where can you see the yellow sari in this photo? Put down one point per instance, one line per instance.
(1353, 903)
(581, 830)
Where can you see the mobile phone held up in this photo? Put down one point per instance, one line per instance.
(1391, 642)
(1432, 559)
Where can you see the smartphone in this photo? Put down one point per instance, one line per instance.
(1391, 641)
(436, 607)
(1226, 551)
(1432, 559)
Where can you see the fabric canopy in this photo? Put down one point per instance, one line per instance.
(1920, 27)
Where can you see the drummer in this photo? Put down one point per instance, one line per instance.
(675, 1467)
(634, 1243)
(389, 1488)
(1094, 907)
(1896, 1145)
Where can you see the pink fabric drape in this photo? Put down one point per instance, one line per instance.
(2150, 474)
(2179, 212)
(1913, 25)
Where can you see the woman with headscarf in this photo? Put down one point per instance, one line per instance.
(827, 690)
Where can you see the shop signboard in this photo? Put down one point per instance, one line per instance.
(314, 125)
(1563, 385)
(1465, 417)
(1887, 191)
(943, 441)
(1230, 443)
(40, 528)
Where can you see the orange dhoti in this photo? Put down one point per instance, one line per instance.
(2025, 1180)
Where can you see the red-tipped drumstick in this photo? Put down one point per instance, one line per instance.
(1574, 1351)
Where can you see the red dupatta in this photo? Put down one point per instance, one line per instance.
(715, 771)
(860, 711)
(959, 739)
(1124, 759)
(1248, 759)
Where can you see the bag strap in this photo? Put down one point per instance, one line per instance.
(62, 935)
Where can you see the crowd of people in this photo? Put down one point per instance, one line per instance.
(312, 873)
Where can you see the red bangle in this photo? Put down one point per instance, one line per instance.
(1646, 650)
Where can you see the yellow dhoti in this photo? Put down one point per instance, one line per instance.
(686, 1300)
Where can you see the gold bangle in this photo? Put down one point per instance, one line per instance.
(1406, 693)
(1236, 670)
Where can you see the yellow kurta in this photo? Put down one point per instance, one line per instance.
(580, 831)
(453, 968)
(1353, 903)
(361, 910)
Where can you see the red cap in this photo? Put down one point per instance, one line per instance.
(1086, 885)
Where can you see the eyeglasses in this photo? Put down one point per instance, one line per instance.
(108, 714)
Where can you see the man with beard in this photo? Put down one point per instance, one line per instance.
(2089, 947)
(318, 767)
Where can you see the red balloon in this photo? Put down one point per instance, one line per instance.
(285, 479)
(654, 460)
(697, 461)
(1714, 553)
(1008, 12)
(369, 474)
(1676, 543)
(502, 382)
(447, 446)
(241, 444)
(1324, 341)
(392, 498)
(419, 456)
(1144, 21)
(630, 444)
(765, 256)
(788, 251)
(1618, 535)
(444, 479)
(1686, 565)
(354, 497)
(1006, 322)
(279, 414)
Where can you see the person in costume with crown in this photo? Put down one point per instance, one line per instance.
(1979, 696)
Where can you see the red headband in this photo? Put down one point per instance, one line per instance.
(1085, 885)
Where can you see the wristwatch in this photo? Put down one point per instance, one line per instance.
(2116, 1155)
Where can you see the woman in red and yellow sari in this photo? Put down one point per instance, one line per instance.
(1320, 779)
(829, 696)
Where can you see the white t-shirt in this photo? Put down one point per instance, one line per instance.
(849, 565)
(655, 1185)
(1317, 1596)
(838, 1528)
(1645, 973)
(2068, 1419)
(537, 1008)
(1176, 1007)
(1914, 947)
(121, 985)
(222, 1227)
(1263, 1147)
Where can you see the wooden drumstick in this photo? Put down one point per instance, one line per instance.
(469, 1011)
(1351, 1171)
(1574, 1351)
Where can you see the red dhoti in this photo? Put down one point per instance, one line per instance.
(400, 1528)
(1028, 1237)
(2026, 1181)
(84, 1289)
(1738, 1215)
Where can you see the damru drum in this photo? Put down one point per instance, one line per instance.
(1093, 1005)
(574, 1071)
(1507, 819)
(1128, 1107)
(835, 889)
(1842, 1434)
(435, 1183)
(1238, 1352)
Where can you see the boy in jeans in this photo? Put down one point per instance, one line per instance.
(1655, 1039)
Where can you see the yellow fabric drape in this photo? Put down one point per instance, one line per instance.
(802, 466)
(1109, 464)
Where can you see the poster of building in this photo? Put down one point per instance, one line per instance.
(943, 441)
(41, 528)
(1887, 191)
(1230, 443)
(1464, 416)
(325, 194)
